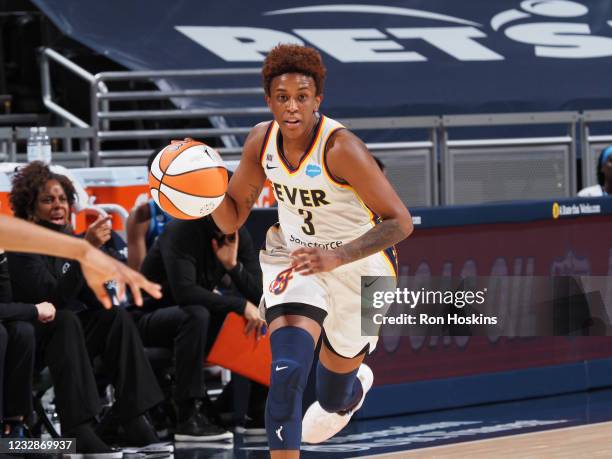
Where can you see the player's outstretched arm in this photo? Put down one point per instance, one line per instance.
(98, 268)
(350, 161)
(244, 186)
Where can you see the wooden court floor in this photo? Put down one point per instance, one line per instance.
(584, 442)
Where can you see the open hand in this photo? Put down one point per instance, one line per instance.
(311, 260)
(254, 321)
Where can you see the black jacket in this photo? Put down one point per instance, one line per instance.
(36, 278)
(9, 310)
(183, 262)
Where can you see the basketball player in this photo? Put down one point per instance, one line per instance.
(339, 218)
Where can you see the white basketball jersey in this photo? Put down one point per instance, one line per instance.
(314, 209)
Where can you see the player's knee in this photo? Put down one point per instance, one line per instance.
(286, 388)
(336, 391)
(292, 352)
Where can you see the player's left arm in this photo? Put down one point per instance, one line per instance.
(349, 160)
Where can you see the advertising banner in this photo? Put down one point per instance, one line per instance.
(407, 57)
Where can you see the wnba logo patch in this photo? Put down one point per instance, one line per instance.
(279, 285)
(312, 170)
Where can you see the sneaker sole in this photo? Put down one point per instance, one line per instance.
(194, 438)
(113, 455)
(367, 370)
(255, 431)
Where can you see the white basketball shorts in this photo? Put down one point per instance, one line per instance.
(337, 293)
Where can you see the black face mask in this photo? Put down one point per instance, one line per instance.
(54, 227)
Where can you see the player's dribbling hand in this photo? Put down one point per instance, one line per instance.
(311, 260)
(254, 321)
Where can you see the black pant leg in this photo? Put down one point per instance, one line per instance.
(112, 334)
(185, 329)
(61, 346)
(257, 400)
(3, 348)
(19, 369)
(216, 322)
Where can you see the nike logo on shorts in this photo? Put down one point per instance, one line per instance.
(280, 368)
(367, 284)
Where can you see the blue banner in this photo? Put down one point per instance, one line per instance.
(407, 57)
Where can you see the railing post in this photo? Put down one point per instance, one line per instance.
(94, 154)
(47, 94)
(444, 176)
(435, 179)
(586, 153)
(572, 159)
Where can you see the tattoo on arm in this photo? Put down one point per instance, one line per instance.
(383, 235)
(251, 198)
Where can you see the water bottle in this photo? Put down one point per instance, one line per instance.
(34, 150)
(45, 145)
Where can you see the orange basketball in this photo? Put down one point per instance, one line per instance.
(188, 179)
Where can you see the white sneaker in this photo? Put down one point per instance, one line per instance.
(319, 425)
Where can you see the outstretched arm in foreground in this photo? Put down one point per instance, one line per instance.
(20, 236)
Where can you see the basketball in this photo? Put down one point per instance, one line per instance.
(188, 179)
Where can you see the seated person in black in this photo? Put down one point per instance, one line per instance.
(18, 235)
(54, 340)
(17, 355)
(193, 261)
(45, 198)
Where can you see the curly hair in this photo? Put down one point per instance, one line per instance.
(28, 181)
(286, 58)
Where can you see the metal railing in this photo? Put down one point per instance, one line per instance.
(47, 55)
(593, 144)
(518, 155)
(6, 144)
(435, 146)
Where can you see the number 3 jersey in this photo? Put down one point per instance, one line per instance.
(314, 208)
